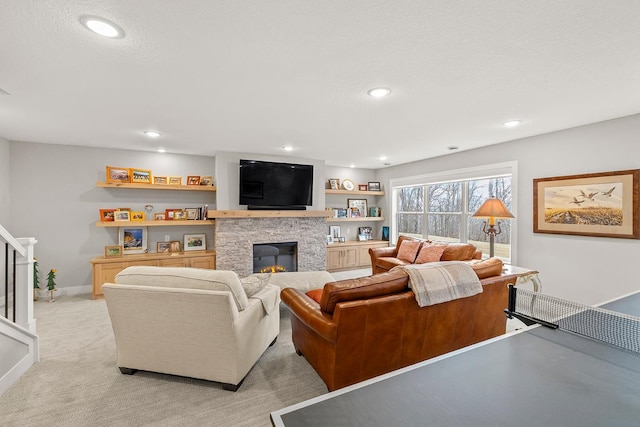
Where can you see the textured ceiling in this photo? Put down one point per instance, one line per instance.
(253, 76)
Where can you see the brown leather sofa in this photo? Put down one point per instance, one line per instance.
(384, 259)
(365, 327)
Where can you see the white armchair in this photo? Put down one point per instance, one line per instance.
(190, 322)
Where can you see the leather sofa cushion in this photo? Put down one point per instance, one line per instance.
(487, 268)
(315, 294)
(184, 277)
(430, 253)
(389, 262)
(458, 252)
(362, 288)
(408, 250)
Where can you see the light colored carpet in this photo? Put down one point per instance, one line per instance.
(77, 382)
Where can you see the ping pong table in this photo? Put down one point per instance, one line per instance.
(536, 376)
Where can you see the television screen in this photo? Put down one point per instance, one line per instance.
(271, 185)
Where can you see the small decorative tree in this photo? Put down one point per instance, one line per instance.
(51, 284)
(36, 280)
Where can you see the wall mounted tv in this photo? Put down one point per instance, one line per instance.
(271, 185)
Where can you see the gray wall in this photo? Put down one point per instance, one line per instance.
(54, 198)
(586, 269)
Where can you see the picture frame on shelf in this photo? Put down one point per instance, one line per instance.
(175, 180)
(161, 180)
(365, 231)
(362, 237)
(158, 216)
(373, 186)
(113, 251)
(385, 232)
(192, 213)
(348, 185)
(118, 175)
(193, 180)
(107, 215)
(341, 213)
(362, 187)
(334, 183)
(329, 239)
(163, 247)
(334, 230)
(195, 242)
(603, 204)
(375, 212)
(359, 204)
(133, 239)
(174, 246)
(206, 180)
(137, 216)
(122, 215)
(141, 176)
(168, 214)
(179, 215)
(341, 239)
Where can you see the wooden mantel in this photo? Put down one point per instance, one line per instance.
(267, 214)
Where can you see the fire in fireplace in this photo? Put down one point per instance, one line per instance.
(275, 257)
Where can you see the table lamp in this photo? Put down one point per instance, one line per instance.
(492, 208)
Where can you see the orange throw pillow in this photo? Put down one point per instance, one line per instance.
(315, 294)
(488, 267)
(408, 250)
(430, 253)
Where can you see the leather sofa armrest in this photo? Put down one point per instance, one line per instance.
(309, 313)
(376, 253)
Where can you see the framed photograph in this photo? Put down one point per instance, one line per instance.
(598, 204)
(329, 239)
(374, 186)
(112, 251)
(341, 239)
(158, 216)
(174, 247)
(137, 216)
(116, 174)
(195, 242)
(140, 176)
(362, 187)
(161, 180)
(385, 232)
(341, 213)
(163, 247)
(193, 180)
(374, 211)
(133, 240)
(348, 185)
(175, 180)
(122, 215)
(107, 215)
(206, 180)
(334, 230)
(359, 204)
(179, 215)
(168, 214)
(334, 183)
(192, 213)
(365, 231)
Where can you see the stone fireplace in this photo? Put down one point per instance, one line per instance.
(235, 238)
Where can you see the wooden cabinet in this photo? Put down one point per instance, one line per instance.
(105, 269)
(352, 254)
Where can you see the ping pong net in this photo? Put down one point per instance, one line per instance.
(616, 329)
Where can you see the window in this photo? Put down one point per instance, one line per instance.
(441, 210)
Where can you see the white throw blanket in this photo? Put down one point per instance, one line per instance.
(438, 282)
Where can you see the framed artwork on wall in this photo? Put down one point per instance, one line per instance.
(195, 242)
(359, 204)
(597, 204)
(118, 175)
(140, 176)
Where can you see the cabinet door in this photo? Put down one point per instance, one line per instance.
(350, 257)
(334, 258)
(105, 273)
(208, 262)
(364, 259)
(174, 262)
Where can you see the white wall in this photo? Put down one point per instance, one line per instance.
(585, 269)
(227, 166)
(4, 184)
(54, 198)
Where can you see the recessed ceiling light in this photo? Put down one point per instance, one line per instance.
(352, 166)
(379, 92)
(161, 150)
(383, 158)
(102, 26)
(511, 123)
(287, 148)
(152, 133)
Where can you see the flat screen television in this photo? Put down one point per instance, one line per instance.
(271, 185)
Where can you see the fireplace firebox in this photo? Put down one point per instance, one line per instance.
(275, 257)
